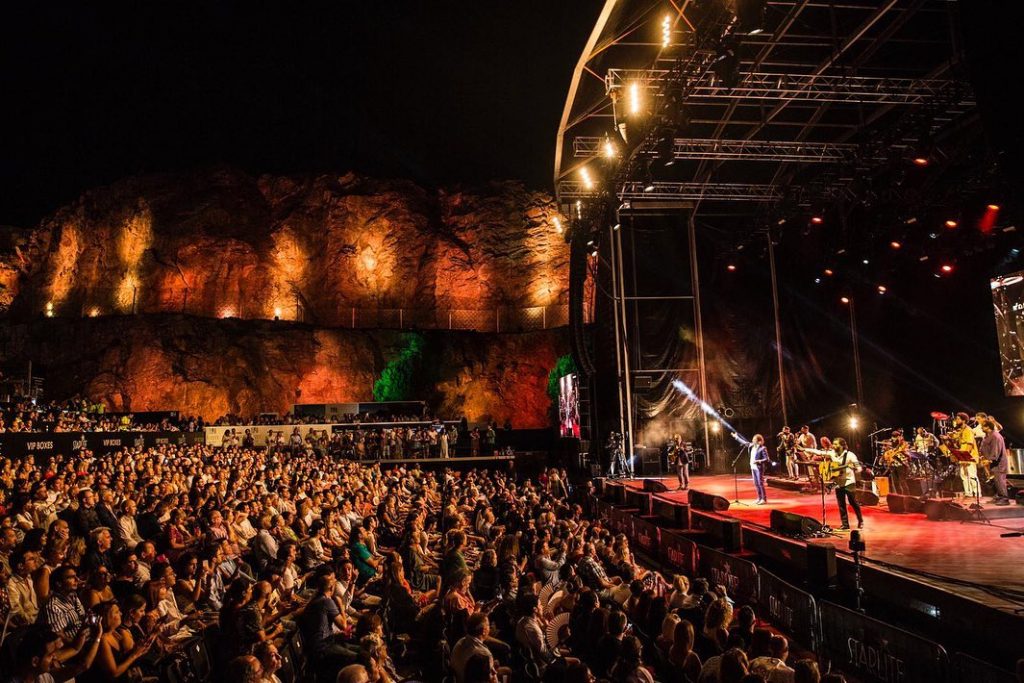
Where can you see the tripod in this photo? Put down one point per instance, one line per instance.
(736, 477)
(976, 511)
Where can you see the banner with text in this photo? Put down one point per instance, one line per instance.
(737, 575)
(789, 609)
(678, 552)
(871, 650)
(643, 535)
(46, 445)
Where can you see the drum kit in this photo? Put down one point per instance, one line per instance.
(929, 459)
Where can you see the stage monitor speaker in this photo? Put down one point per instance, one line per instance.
(901, 504)
(676, 515)
(790, 524)
(726, 532)
(655, 486)
(821, 564)
(917, 486)
(945, 510)
(865, 497)
(650, 461)
(707, 501)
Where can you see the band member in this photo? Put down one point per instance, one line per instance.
(925, 441)
(899, 464)
(682, 462)
(993, 449)
(805, 439)
(758, 467)
(963, 439)
(787, 451)
(846, 479)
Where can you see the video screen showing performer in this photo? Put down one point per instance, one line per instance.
(568, 406)
(1008, 300)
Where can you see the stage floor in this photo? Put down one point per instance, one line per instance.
(970, 551)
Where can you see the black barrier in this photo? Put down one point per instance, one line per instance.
(678, 552)
(789, 609)
(871, 650)
(967, 669)
(45, 445)
(739, 576)
(643, 535)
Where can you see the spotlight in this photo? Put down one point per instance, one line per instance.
(558, 225)
(829, 272)
(933, 235)
(817, 220)
(277, 314)
(49, 309)
(845, 299)
(923, 258)
(588, 182)
(579, 210)
(634, 98)
(993, 207)
(616, 226)
(664, 150)
(226, 313)
(951, 224)
(93, 312)
(920, 161)
(946, 268)
(731, 268)
(910, 221)
(666, 31)
(895, 245)
(817, 280)
(750, 14)
(609, 148)
(882, 289)
(854, 422)
(716, 427)
(865, 262)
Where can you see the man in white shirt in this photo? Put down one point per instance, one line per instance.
(846, 465)
(477, 630)
(774, 669)
(20, 588)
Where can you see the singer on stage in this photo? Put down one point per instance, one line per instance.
(758, 467)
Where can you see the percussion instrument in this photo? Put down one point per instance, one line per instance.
(939, 416)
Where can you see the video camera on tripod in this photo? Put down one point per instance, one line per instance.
(617, 465)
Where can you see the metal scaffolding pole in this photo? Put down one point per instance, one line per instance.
(778, 327)
(618, 340)
(628, 383)
(699, 330)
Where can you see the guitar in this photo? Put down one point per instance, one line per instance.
(831, 472)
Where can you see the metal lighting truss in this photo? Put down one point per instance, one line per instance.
(751, 150)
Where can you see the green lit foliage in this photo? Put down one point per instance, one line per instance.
(563, 366)
(396, 381)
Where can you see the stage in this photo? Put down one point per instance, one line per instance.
(950, 552)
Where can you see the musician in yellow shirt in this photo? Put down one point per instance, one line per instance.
(964, 441)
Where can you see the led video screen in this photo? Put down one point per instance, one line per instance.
(1008, 301)
(568, 406)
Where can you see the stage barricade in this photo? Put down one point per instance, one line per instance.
(44, 445)
(789, 609)
(739, 576)
(642, 535)
(967, 669)
(678, 552)
(875, 652)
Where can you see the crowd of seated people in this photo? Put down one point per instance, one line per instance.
(346, 418)
(299, 565)
(77, 415)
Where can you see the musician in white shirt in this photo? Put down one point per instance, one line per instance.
(845, 479)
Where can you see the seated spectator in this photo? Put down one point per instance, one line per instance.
(806, 671)
(529, 633)
(63, 612)
(478, 629)
(773, 667)
(118, 650)
(714, 637)
(629, 667)
(743, 630)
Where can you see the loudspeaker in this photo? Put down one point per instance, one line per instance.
(865, 497)
(726, 532)
(650, 461)
(900, 504)
(942, 510)
(821, 563)
(706, 501)
(790, 524)
(677, 515)
(655, 486)
(917, 486)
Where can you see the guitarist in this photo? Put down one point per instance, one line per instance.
(845, 466)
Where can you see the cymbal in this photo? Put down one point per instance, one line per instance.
(941, 417)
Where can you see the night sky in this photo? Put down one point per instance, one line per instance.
(439, 92)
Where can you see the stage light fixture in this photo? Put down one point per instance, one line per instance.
(951, 224)
(49, 309)
(845, 299)
(558, 225)
(946, 268)
(911, 220)
(648, 179)
(854, 422)
(579, 210)
(634, 98)
(93, 312)
(921, 161)
(731, 268)
(829, 272)
(817, 220)
(716, 427)
(609, 148)
(895, 245)
(923, 258)
(588, 182)
(865, 262)
(664, 150)
(993, 207)
(666, 31)
(277, 314)
(933, 235)
(817, 280)
(882, 289)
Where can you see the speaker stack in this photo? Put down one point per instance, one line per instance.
(790, 524)
(707, 501)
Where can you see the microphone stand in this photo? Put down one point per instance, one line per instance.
(736, 477)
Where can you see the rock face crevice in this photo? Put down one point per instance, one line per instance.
(164, 291)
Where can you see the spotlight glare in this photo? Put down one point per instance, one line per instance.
(731, 268)
(951, 224)
(609, 148)
(716, 427)
(993, 207)
(921, 161)
(634, 98)
(895, 245)
(865, 262)
(817, 220)
(588, 182)
(277, 314)
(854, 422)
(93, 312)
(817, 280)
(828, 271)
(666, 31)
(558, 225)
(946, 268)
(882, 289)
(845, 299)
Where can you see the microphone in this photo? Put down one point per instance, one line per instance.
(1012, 534)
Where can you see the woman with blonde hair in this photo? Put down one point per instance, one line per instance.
(680, 591)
